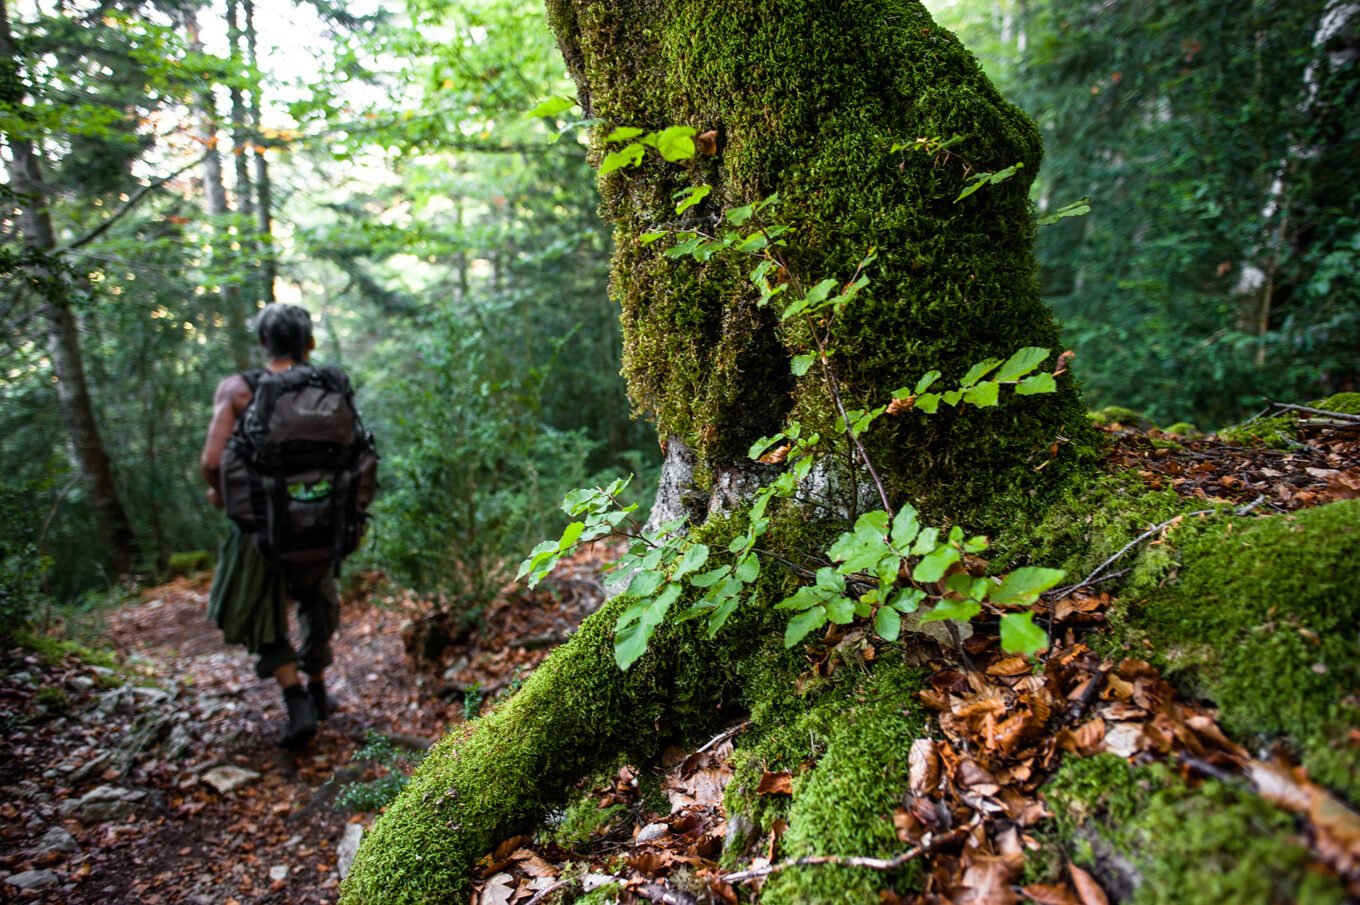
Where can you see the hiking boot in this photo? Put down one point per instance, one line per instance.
(325, 704)
(301, 718)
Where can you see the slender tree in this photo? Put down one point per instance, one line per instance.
(50, 275)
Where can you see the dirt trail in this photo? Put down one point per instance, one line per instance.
(165, 834)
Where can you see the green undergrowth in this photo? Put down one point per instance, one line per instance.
(1152, 839)
(53, 651)
(1262, 621)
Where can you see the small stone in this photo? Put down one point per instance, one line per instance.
(104, 803)
(652, 832)
(81, 683)
(592, 882)
(57, 840)
(150, 696)
(348, 848)
(33, 879)
(21, 678)
(278, 872)
(228, 779)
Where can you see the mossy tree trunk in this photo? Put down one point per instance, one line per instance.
(806, 99)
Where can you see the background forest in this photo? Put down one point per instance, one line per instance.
(376, 163)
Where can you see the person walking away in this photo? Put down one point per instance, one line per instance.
(288, 459)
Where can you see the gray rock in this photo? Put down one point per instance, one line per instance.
(21, 678)
(278, 872)
(104, 803)
(92, 768)
(57, 840)
(348, 848)
(81, 683)
(592, 882)
(33, 879)
(227, 779)
(652, 832)
(149, 696)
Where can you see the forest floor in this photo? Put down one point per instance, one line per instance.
(156, 779)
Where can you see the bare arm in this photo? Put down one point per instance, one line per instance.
(232, 397)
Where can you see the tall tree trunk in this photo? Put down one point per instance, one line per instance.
(217, 208)
(269, 267)
(35, 221)
(241, 144)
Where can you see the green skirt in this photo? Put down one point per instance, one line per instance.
(248, 596)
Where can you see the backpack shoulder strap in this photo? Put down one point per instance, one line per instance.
(252, 378)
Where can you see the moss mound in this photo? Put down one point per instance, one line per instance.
(1154, 840)
(1262, 620)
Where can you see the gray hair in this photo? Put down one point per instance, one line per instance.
(285, 331)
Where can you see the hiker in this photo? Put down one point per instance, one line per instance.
(288, 459)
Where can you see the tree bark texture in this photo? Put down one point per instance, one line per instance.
(77, 409)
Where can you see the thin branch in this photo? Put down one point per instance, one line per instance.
(543, 894)
(127, 207)
(1156, 529)
(1308, 410)
(883, 864)
(722, 736)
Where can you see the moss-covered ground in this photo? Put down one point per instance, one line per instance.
(1172, 843)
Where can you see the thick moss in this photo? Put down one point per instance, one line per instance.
(1147, 829)
(1262, 620)
(843, 804)
(808, 100)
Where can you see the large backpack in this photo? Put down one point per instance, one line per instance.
(300, 469)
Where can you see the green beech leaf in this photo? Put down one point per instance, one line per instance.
(1038, 383)
(748, 569)
(636, 625)
(694, 558)
(1023, 586)
(1019, 634)
(978, 371)
(710, 578)
(928, 403)
(925, 542)
(933, 565)
(644, 584)
(957, 610)
(1075, 209)
(551, 107)
(648, 238)
(927, 379)
(984, 395)
(907, 600)
(676, 143)
(805, 622)
(840, 610)
(887, 623)
(804, 598)
(627, 156)
(1021, 363)
(623, 133)
(738, 216)
(687, 198)
(801, 363)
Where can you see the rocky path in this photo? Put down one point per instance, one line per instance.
(159, 782)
